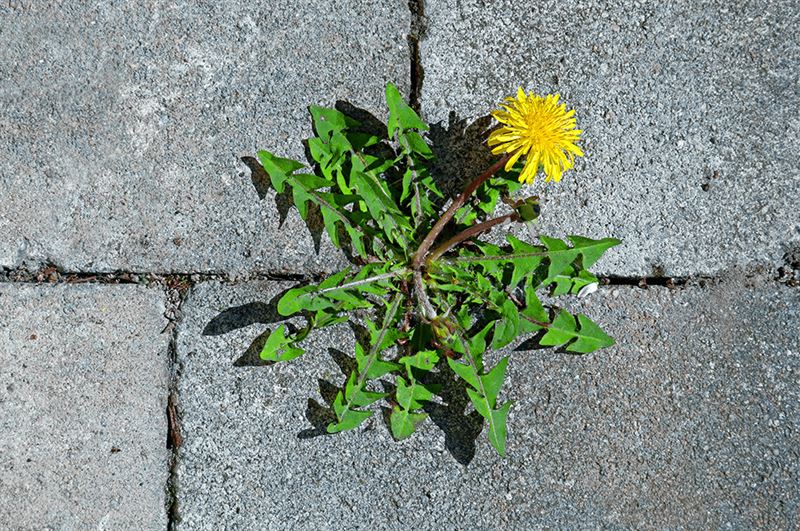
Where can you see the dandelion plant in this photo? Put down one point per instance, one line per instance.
(431, 292)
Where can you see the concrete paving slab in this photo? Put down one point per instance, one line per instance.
(122, 126)
(688, 108)
(83, 379)
(691, 421)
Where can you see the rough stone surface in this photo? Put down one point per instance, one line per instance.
(122, 125)
(691, 421)
(83, 373)
(689, 111)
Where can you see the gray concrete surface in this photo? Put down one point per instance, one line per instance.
(122, 132)
(122, 125)
(689, 111)
(83, 373)
(691, 421)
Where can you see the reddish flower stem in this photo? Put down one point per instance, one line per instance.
(438, 227)
(466, 234)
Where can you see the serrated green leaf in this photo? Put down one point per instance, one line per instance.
(497, 431)
(404, 422)
(329, 121)
(561, 255)
(416, 144)
(381, 206)
(401, 116)
(561, 330)
(358, 396)
(591, 250)
(410, 395)
(278, 347)
(587, 335)
(425, 360)
(347, 418)
(506, 329)
(464, 371)
(369, 364)
(292, 302)
(534, 315)
(278, 168)
(493, 381)
(522, 267)
(590, 338)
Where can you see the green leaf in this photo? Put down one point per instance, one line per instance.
(465, 372)
(522, 266)
(416, 144)
(410, 395)
(328, 121)
(358, 396)
(381, 206)
(592, 250)
(278, 169)
(587, 335)
(404, 422)
(278, 347)
(507, 328)
(370, 366)
(425, 360)
(497, 432)
(561, 255)
(533, 311)
(347, 418)
(496, 417)
(493, 381)
(401, 116)
(338, 288)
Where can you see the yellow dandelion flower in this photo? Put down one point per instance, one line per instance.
(539, 128)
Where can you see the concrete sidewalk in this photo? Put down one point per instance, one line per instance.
(125, 132)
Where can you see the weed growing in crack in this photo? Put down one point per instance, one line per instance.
(433, 296)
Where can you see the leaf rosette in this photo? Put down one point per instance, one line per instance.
(432, 295)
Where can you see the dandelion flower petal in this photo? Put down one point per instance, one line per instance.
(541, 129)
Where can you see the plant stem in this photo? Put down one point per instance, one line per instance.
(355, 283)
(438, 227)
(467, 234)
(428, 311)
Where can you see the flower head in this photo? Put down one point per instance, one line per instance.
(539, 128)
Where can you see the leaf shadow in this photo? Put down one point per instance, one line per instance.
(244, 315)
(460, 430)
(319, 415)
(283, 201)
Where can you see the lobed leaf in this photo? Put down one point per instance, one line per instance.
(401, 116)
(279, 347)
(583, 336)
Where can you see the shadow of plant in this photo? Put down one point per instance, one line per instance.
(460, 152)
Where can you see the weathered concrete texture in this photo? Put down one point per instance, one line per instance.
(83, 373)
(689, 111)
(692, 420)
(122, 125)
